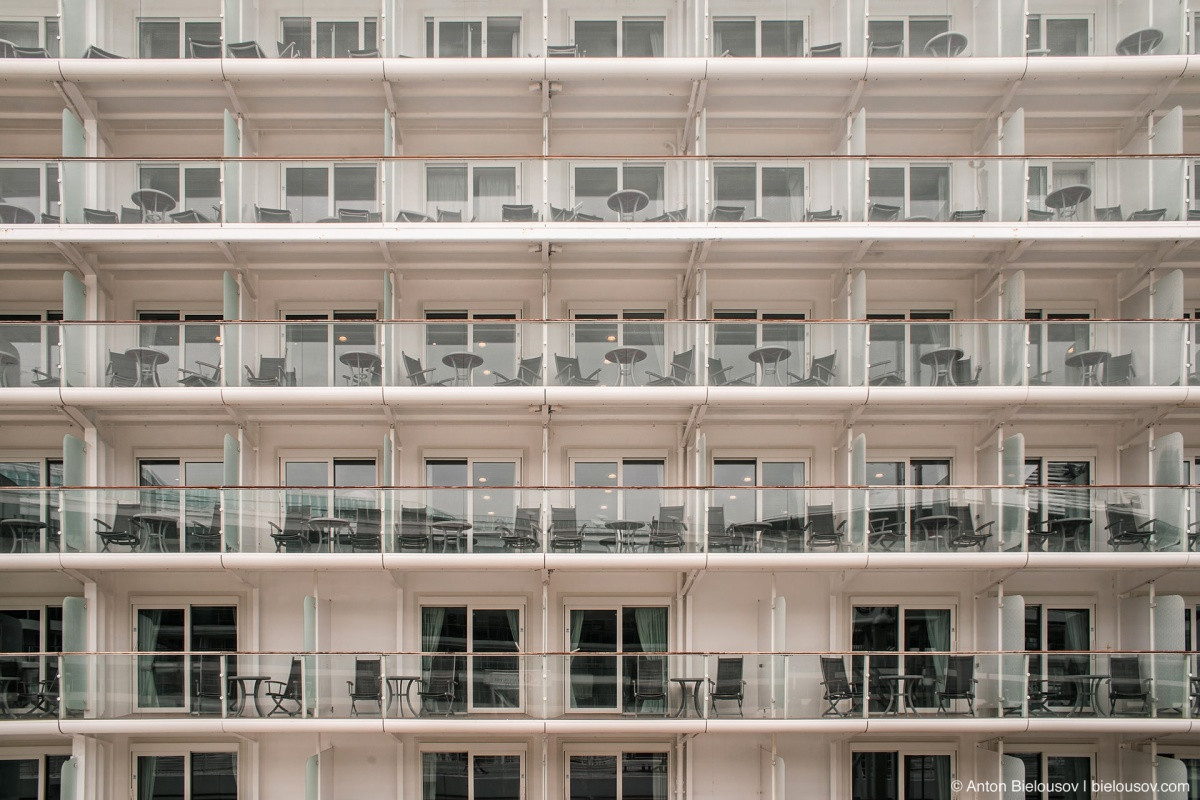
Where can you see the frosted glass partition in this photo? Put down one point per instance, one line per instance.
(469, 29)
(774, 29)
(30, 354)
(160, 29)
(624, 350)
(600, 680)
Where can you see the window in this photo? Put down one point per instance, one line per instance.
(192, 505)
(31, 186)
(1070, 774)
(25, 631)
(746, 501)
(32, 32)
(314, 350)
(189, 341)
(494, 37)
(896, 349)
(908, 631)
(486, 682)
(492, 337)
(748, 37)
(489, 504)
(1051, 342)
(1047, 177)
(634, 37)
(346, 477)
(36, 505)
(612, 638)
(482, 773)
(911, 33)
(194, 188)
(918, 190)
(1056, 629)
(734, 342)
(1060, 501)
(596, 334)
(901, 775)
(168, 37)
(328, 38)
(166, 773)
(633, 773)
(602, 502)
(32, 777)
(894, 509)
(763, 191)
(167, 679)
(307, 194)
(591, 186)
(35, 346)
(475, 192)
(1047, 35)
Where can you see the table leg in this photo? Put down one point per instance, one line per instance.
(682, 701)
(696, 699)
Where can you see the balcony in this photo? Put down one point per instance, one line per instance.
(661, 691)
(237, 29)
(600, 353)
(408, 191)
(584, 527)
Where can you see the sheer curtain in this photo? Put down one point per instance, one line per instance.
(941, 766)
(149, 621)
(147, 766)
(445, 188)
(651, 628)
(656, 42)
(494, 186)
(431, 635)
(938, 629)
(659, 778)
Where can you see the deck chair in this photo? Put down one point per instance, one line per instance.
(94, 216)
(51, 219)
(726, 214)
(205, 537)
(682, 372)
(831, 50)
(893, 377)
(439, 685)
(529, 373)
(728, 685)
(721, 537)
(122, 370)
(821, 372)
(131, 216)
(827, 215)
(517, 213)
(968, 532)
(272, 214)
(963, 375)
(29, 52)
(822, 530)
(368, 532)
(194, 378)
(1129, 528)
(367, 686)
(880, 212)
(1148, 215)
(287, 50)
(95, 52)
(449, 216)
(1108, 214)
(272, 371)
(885, 530)
(562, 51)
(416, 375)
(885, 49)
(413, 535)
(565, 531)
(975, 215)
(202, 48)
(1037, 215)
(353, 215)
(121, 531)
(957, 684)
(293, 536)
(667, 529)
(286, 693)
(678, 215)
(718, 375)
(188, 216)
(1126, 683)
(44, 699)
(525, 534)
(1118, 371)
(1193, 214)
(413, 216)
(245, 50)
(367, 52)
(568, 373)
(838, 686)
(650, 684)
(45, 378)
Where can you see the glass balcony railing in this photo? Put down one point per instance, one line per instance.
(603, 685)
(601, 520)
(178, 29)
(600, 351)
(671, 189)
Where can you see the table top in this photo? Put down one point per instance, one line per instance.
(1061, 521)
(752, 526)
(147, 355)
(329, 521)
(462, 360)
(770, 355)
(16, 214)
(686, 680)
(1068, 196)
(1090, 676)
(23, 523)
(624, 525)
(940, 354)
(157, 516)
(625, 355)
(152, 200)
(249, 677)
(360, 360)
(451, 525)
(896, 678)
(391, 678)
(1085, 358)
(627, 201)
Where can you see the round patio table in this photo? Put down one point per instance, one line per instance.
(363, 367)
(1089, 361)
(21, 530)
(625, 358)
(627, 202)
(1065, 201)
(147, 359)
(769, 358)
(238, 684)
(942, 361)
(153, 203)
(462, 364)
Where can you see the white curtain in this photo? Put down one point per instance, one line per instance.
(445, 188)
(494, 187)
(656, 42)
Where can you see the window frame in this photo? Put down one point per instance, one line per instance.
(906, 209)
(759, 166)
(760, 490)
(1049, 166)
(620, 21)
(182, 23)
(472, 604)
(468, 203)
(759, 22)
(334, 369)
(43, 30)
(332, 202)
(651, 210)
(44, 204)
(1043, 752)
(902, 749)
(1041, 20)
(436, 42)
(186, 603)
(186, 749)
(40, 755)
(360, 24)
(906, 22)
(471, 749)
(617, 749)
(468, 319)
(617, 605)
(183, 168)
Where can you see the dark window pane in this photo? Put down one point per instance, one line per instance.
(734, 37)
(214, 776)
(159, 38)
(782, 38)
(874, 776)
(504, 37)
(596, 39)
(643, 38)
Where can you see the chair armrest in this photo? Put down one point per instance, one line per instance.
(841, 526)
(102, 522)
(988, 524)
(421, 372)
(278, 530)
(37, 371)
(274, 687)
(593, 375)
(206, 364)
(1149, 522)
(722, 370)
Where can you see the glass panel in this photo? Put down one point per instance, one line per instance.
(19, 779)
(306, 350)
(927, 778)
(202, 32)
(336, 39)
(495, 679)
(444, 776)
(783, 194)
(202, 191)
(642, 38)
(460, 39)
(20, 33)
(593, 677)
(736, 185)
(1033, 32)
(874, 776)
(52, 49)
(596, 506)
(214, 776)
(782, 38)
(782, 505)
(1067, 37)
(886, 186)
(734, 37)
(493, 187)
(885, 32)
(307, 193)
(929, 192)
(644, 776)
(875, 629)
(593, 777)
(497, 777)
(445, 188)
(53, 776)
(593, 186)
(1072, 774)
(354, 187)
(20, 632)
(160, 778)
(297, 32)
(350, 473)
(739, 505)
(159, 38)
(497, 506)
(307, 473)
(503, 37)
(920, 31)
(596, 39)
(161, 677)
(926, 630)
(646, 178)
(21, 186)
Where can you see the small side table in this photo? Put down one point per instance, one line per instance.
(769, 358)
(238, 682)
(625, 358)
(462, 364)
(401, 686)
(452, 528)
(695, 683)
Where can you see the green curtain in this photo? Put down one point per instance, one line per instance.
(576, 633)
(651, 628)
(149, 621)
(147, 773)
